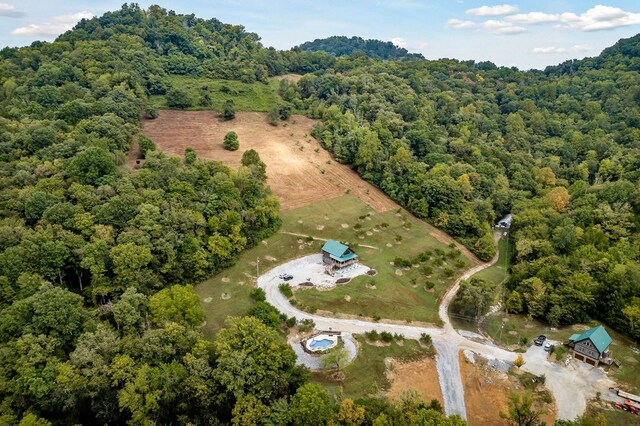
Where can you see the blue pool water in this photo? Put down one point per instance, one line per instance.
(318, 344)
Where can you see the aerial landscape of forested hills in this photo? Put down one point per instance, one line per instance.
(99, 322)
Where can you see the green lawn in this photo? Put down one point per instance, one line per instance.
(497, 273)
(399, 293)
(259, 97)
(395, 296)
(366, 374)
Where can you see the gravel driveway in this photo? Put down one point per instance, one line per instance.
(571, 385)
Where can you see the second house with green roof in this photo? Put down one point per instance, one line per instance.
(592, 346)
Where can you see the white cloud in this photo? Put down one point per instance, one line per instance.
(600, 18)
(577, 48)
(595, 19)
(502, 9)
(460, 24)
(57, 26)
(9, 11)
(533, 18)
(550, 49)
(400, 42)
(502, 27)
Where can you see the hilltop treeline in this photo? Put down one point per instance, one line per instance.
(342, 46)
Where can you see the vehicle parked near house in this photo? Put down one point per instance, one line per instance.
(540, 340)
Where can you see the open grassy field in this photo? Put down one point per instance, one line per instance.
(365, 376)
(245, 96)
(299, 171)
(408, 293)
(378, 238)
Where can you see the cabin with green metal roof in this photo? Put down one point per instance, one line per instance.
(337, 255)
(592, 346)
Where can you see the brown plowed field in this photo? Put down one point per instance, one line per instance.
(294, 168)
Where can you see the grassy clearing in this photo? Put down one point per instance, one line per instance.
(393, 293)
(259, 97)
(366, 374)
(395, 296)
(497, 273)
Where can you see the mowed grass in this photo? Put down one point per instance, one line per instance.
(365, 376)
(497, 273)
(260, 97)
(395, 297)
(393, 293)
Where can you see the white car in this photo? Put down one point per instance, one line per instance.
(548, 346)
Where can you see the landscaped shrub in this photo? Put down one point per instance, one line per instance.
(231, 141)
(286, 290)
(306, 324)
(448, 272)
(429, 285)
(291, 322)
(427, 270)
(459, 263)
(439, 252)
(372, 335)
(438, 262)
(258, 294)
(425, 339)
(386, 337)
(401, 263)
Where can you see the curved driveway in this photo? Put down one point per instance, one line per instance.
(571, 387)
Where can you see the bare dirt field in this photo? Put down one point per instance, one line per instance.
(299, 171)
(420, 375)
(486, 393)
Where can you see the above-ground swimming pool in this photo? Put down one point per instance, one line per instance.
(321, 342)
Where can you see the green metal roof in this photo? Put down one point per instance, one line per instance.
(574, 337)
(338, 251)
(347, 256)
(598, 336)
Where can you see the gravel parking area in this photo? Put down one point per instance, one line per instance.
(309, 269)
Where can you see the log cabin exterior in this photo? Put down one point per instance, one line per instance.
(592, 346)
(337, 256)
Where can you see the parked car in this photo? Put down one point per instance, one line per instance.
(548, 346)
(287, 277)
(539, 340)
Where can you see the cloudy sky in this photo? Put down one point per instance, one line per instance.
(527, 34)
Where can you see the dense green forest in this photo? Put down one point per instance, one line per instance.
(341, 46)
(98, 321)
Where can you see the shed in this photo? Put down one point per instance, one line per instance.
(505, 222)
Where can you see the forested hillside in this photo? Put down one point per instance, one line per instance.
(341, 46)
(98, 322)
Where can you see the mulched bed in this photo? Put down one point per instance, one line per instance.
(343, 280)
(306, 284)
(371, 272)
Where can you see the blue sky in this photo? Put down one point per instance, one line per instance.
(526, 34)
